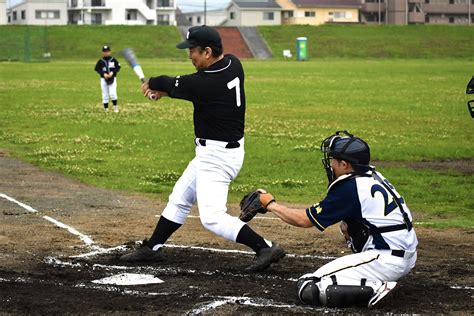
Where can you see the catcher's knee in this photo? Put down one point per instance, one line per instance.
(308, 291)
(346, 295)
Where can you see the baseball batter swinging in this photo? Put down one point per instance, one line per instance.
(218, 96)
(373, 217)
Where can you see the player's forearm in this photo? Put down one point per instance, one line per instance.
(292, 216)
(161, 83)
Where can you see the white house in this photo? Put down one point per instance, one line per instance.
(253, 13)
(38, 12)
(128, 12)
(211, 18)
(3, 12)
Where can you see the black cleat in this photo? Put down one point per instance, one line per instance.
(143, 253)
(265, 257)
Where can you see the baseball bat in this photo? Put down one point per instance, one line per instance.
(132, 60)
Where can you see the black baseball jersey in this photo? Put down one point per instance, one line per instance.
(218, 96)
(106, 65)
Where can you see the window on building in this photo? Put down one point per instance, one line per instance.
(427, 18)
(190, 19)
(427, 1)
(309, 14)
(97, 3)
(96, 18)
(232, 15)
(23, 14)
(342, 15)
(198, 19)
(163, 19)
(73, 3)
(451, 1)
(47, 14)
(14, 15)
(131, 14)
(287, 14)
(269, 16)
(451, 19)
(9, 19)
(164, 3)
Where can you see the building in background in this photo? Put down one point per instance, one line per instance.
(253, 13)
(38, 12)
(3, 12)
(316, 12)
(417, 12)
(211, 18)
(126, 12)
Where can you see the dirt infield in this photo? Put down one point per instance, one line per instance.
(59, 238)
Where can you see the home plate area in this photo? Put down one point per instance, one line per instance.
(190, 280)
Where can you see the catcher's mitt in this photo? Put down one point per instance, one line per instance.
(110, 80)
(253, 203)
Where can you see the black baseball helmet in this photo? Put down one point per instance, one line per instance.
(344, 146)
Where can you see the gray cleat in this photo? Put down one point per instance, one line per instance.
(265, 257)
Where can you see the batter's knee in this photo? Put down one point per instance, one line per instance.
(222, 224)
(308, 291)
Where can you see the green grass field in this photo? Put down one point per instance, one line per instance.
(407, 109)
(399, 87)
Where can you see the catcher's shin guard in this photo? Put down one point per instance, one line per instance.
(308, 291)
(347, 295)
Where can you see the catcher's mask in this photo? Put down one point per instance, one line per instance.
(344, 146)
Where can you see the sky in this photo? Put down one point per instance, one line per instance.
(184, 5)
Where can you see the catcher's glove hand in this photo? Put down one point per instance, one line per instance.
(253, 203)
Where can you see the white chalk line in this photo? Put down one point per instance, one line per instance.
(256, 217)
(243, 300)
(173, 271)
(86, 239)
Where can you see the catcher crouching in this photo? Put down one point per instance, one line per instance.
(374, 219)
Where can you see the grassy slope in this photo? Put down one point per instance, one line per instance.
(414, 41)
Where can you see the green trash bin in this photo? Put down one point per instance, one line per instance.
(301, 48)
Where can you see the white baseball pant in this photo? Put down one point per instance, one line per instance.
(375, 266)
(109, 91)
(206, 181)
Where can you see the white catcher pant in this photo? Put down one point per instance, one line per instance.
(109, 91)
(375, 266)
(206, 181)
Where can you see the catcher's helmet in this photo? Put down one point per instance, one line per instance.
(345, 147)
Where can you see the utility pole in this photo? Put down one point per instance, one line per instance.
(469, 15)
(205, 12)
(380, 14)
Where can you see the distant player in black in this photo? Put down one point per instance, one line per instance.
(217, 93)
(108, 67)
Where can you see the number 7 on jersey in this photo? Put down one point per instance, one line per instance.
(235, 83)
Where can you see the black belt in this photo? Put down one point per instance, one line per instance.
(229, 145)
(398, 253)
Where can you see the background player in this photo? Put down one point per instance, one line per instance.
(218, 96)
(375, 221)
(108, 67)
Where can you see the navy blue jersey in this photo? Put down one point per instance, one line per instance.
(106, 65)
(365, 200)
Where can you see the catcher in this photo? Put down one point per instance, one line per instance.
(374, 220)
